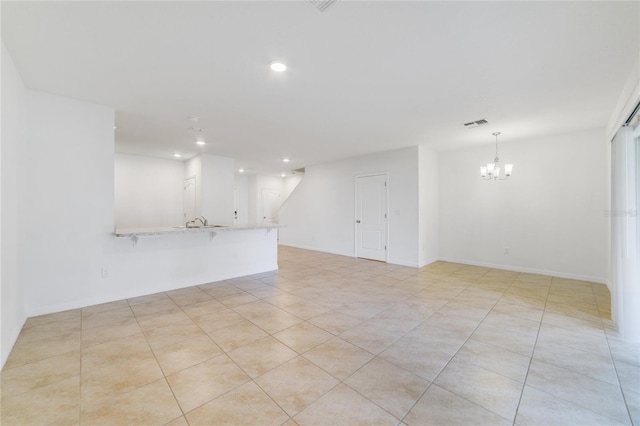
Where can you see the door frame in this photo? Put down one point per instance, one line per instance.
(386, 212)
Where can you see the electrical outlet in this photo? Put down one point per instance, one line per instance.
(507, 250)
(104, 273)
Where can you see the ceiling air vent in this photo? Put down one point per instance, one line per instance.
(476, 123)
(322, 5)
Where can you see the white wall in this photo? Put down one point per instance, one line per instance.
(13, 123)
(428, 193)
(148, 191)
(290, 183)
(550, 213)
(320, 213)
(218, 180)
(66, 198)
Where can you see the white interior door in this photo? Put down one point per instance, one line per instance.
(189, 200)
(270, 205)
(371, 217)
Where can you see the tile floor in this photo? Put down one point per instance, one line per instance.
(333, 340)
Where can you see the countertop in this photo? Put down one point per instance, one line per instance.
(171, 230)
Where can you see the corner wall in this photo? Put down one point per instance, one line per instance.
(550, 214)
(12, 137)
(428, 193)
(320, 213)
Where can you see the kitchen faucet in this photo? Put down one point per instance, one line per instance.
(192, 223)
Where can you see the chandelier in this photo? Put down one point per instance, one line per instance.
(492, 170)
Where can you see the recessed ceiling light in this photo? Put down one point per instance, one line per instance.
(201, 143)
(177, 155)
(284, 175)
(240, 170)
(277, 66)
(285, 160)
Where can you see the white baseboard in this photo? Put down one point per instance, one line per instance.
(598, 280)
(427, 262)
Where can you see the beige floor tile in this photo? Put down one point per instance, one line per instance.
(147, 299)
(160, 305)
(490, 390)
(439, 407)
(119, 377)
(512, 323)
(49, 331)
(390, 387)
(452, 321)
(338, 358)
(246, 405)
(506, 339)
(109, 332)
(42, 349)
(216, 320)
(344, 406)
(57, 403)
(473, 330)
(51, 318)
(596, 366)
(628, 375)
(203, 308)
(261, 356)
(38, 374)
(370, 337)
(191, 298)
(335, 322)
(306, 309)
(181, 355)
(296, 384)
(303, 337)
(106, 317)
(174, 333)
(278, 321)
(103, 307)
(203, 382)
(419, 358)
(595, 395)
(588, 342)
(180, 421)
(220, 290)
(237, 299)
(237, 335)
(256, 309)
(509, 364)
(161, 319)
(444, 340)
(539, 408)
(633, 404)
(126, 349)
(149, 404)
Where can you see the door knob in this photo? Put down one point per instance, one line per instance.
(358, 221)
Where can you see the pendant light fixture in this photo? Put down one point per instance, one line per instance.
(492, 170)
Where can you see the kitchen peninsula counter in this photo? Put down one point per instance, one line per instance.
(176, 230)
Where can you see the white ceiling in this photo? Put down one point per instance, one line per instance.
(363, 76)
